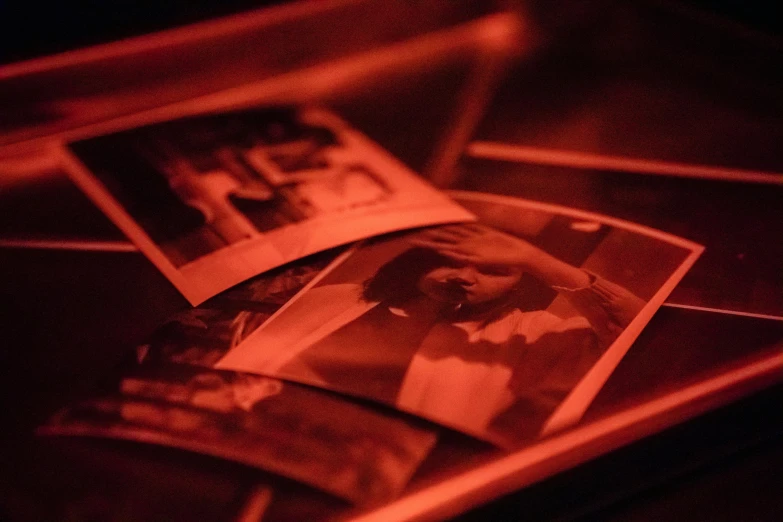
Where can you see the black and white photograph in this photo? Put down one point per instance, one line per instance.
(203, 334)
(364, 456)
(213, 200)
(504, 329)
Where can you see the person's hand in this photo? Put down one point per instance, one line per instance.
(478, 244)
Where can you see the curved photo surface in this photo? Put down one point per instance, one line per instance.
(214, 200)
(504, 329)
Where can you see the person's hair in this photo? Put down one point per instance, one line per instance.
(397, 280)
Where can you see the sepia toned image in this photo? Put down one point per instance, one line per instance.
(214, 200)
(503, 329)
(360, 455)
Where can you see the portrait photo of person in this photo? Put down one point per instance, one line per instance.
(479, 327)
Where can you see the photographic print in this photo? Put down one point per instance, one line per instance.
(504, 329)
(360, 455)
(213, 200)
(203, 334)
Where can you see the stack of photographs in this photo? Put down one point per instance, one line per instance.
(470, 345)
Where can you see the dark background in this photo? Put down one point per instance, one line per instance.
(34, 28)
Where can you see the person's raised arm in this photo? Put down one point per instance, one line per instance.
(485, 246)
(607, 306)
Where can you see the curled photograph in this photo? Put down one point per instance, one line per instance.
(504, 329)
(365, 456)
(213, 200)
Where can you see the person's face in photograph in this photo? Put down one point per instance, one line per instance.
(468, 284)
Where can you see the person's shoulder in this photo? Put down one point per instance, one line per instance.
(536, 323)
